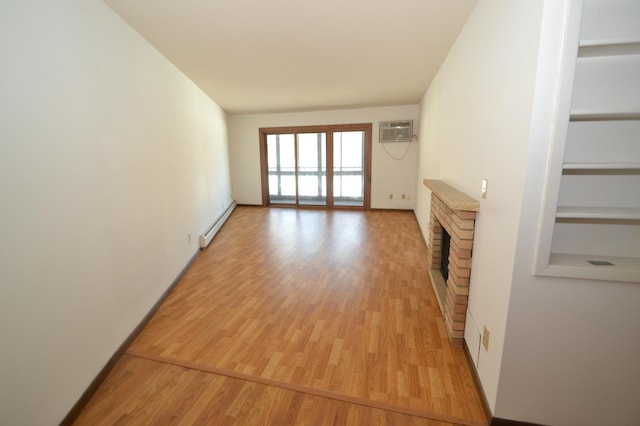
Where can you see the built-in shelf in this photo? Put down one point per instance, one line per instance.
(608, 41)
(600, 48)
(601, 166)
(606, 267)
(594, 169)
(602, 115)
(595, 178)
(598, 213)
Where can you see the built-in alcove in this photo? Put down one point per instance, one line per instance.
(452, 213)
(591, 220)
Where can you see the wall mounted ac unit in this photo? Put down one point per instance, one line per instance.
(396, 131)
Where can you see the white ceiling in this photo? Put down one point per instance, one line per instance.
(257, 56)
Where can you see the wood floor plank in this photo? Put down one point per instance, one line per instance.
(167, 394)
(336, 301)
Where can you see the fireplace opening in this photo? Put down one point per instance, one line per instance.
(444, 255)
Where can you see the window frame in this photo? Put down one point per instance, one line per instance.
(328, 130)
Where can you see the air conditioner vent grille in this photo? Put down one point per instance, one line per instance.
(396, 131)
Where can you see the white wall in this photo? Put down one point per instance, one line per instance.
(109, 157)
(475, 120)
(562, 351)
(572, 346)
(388, 176)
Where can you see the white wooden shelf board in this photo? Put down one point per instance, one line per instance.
(601, 166)
(603, 115)
(599, 48)
(577, 266)
(608, 42)
(569, 212)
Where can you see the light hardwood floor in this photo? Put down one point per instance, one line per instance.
(297, 317)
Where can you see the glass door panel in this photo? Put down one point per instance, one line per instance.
(312, 168)
(281, 164)
(348, 168)
(322, 166)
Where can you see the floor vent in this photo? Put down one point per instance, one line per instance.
(600, 263)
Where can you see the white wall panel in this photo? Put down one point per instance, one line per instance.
(393, 168)
(109, 158)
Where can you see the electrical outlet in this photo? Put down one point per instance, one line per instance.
(189, 237)
(485, 338)
(485, 183)
(404, 196)
(391, 196)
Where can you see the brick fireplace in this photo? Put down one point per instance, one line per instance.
(454, 212)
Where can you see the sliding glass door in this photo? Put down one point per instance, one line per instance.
(312, 168)
(348, 168)
(282, 168)
(316, 165)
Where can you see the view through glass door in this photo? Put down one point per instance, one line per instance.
(348, 168)
(312, 168)
(316, 166)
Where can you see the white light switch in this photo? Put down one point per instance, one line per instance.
(484, 188)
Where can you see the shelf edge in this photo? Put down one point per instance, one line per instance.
(592, 115)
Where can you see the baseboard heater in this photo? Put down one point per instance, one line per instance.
(212, 230)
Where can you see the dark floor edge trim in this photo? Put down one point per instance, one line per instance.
(384, 209)
(505, 422)
(495, 421)
(77, 408)
(334, 208)
(306, 390)
(476, 380)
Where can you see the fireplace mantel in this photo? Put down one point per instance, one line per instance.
(451, 197)
(454, 212)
